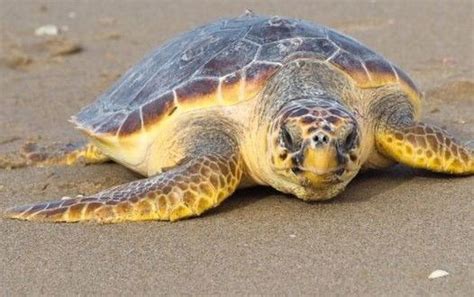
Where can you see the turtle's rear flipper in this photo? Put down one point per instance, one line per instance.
(56, 154)
(421, 145)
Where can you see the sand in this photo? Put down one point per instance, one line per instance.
(383, 236)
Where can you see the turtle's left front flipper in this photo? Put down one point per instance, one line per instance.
(198, 184)
(424, 146)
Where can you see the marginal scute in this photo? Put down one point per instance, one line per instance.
(197, 90)
(351, 45)
(256, 77)
(231, 79)
(154, 110)
(380, 71)
(351, 65)
(404, 78)
(409, 87)
(260, 71)
(93, 206)
(131, 124)
(111, 124)
(309, 30)
(37, 207)
(230, 90)
(68, 202)
(54, 204)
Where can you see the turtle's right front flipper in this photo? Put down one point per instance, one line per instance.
(56, 154)
(425, 146)
(184, 191)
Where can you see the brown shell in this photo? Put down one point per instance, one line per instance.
(224, 63)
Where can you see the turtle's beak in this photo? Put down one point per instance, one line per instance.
(319, 162)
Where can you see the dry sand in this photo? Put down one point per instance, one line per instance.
(383, 236)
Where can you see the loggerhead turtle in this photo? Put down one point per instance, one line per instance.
(245, 101)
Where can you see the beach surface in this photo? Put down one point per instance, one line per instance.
(382, 237)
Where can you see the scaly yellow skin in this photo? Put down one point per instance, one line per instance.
(185, 191)
(425, 146)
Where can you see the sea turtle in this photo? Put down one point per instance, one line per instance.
(252, 100)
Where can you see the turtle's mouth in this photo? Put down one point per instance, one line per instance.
(296, 170)
(320, 172)
(314, 176)
(310, 178)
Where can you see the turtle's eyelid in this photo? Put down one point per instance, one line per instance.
(350, 139)
(287, 138)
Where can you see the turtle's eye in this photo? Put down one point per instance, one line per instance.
(286, 138)
(350, 140)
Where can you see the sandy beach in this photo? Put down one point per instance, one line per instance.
(382, 237)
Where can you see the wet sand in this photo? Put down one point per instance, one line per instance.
(383, 236)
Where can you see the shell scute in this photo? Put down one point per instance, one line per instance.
(260, 71)
(274, 51)
(182, 57)
(145, 73)
(351, 45)
(382, 71)
(230, 60)
(271, 30)
(224, 63)
(309, 30)
(406, 79)
(322, 46)
(378, 71)
(111, 124)
(277, 28)
(152, 112)
(351, 64)
(132, 123)
(231, 79)
(244, 21)
(188, 63)
(197, 89)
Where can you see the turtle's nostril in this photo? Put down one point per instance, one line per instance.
(320, 139)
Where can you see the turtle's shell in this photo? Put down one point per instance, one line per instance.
(224, 63)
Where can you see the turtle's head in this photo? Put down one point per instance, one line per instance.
(314, 147)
